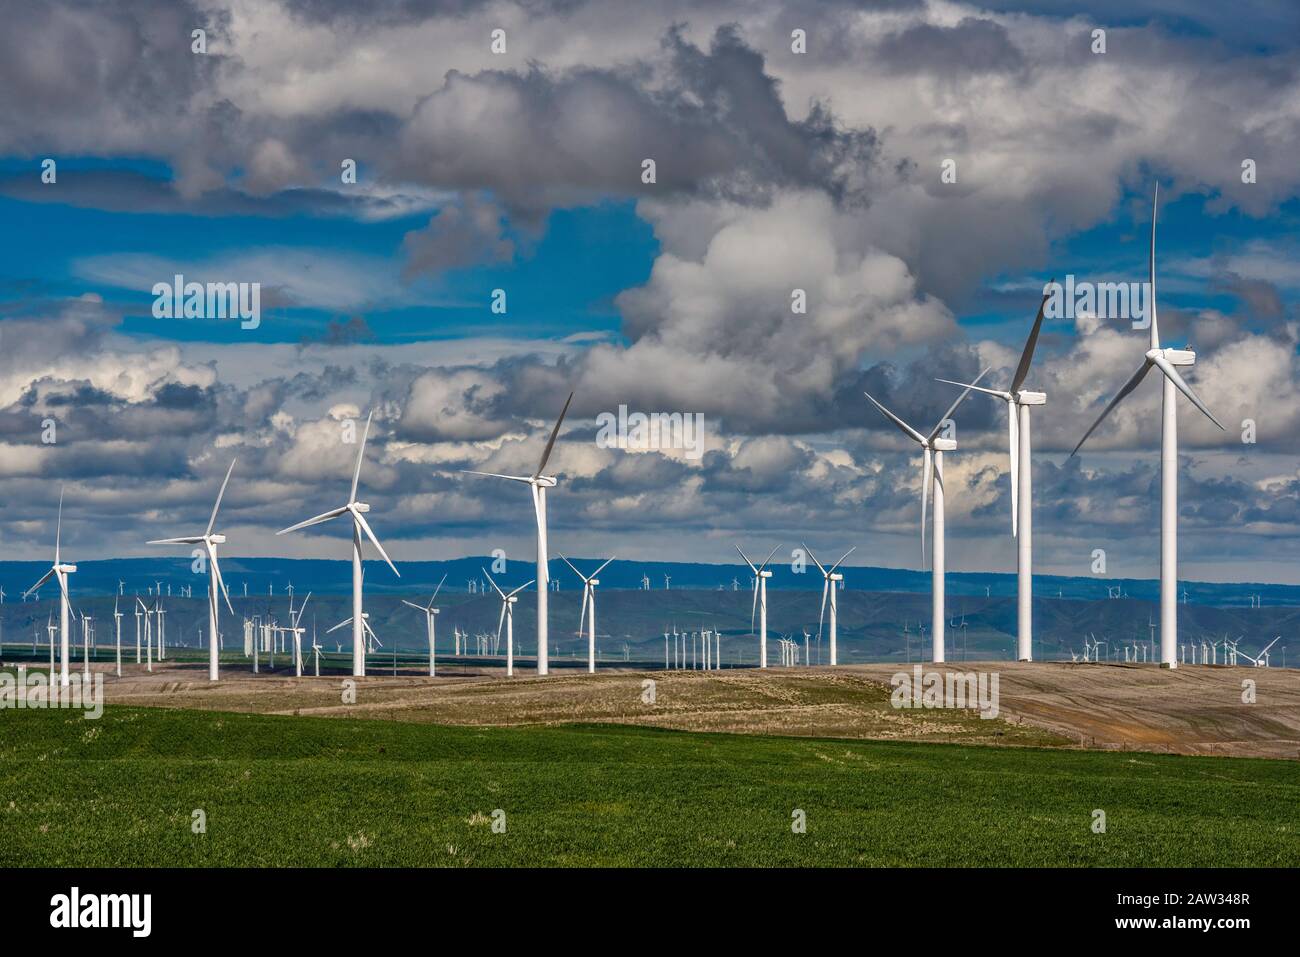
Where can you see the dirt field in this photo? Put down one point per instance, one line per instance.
(1193, 710)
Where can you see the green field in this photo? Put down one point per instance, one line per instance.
(329, 792)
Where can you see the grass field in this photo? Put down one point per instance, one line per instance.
(335, 792)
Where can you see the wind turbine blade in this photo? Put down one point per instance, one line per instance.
(753, 610)
(66, 597)
(315, 519)
(769, 557)
(822, 614)
(216, 573)
(213, 520)
(58, 528)
(1183, 387)
(1026, 357)
(365, 527)
(142, 604)
(1151, 279)
(820, 568)
(502, 620)
(361, 454)
(550, 443)
(438, 589)
(44, 579)
(575, 570)
(345, 621)
(512, 478)
(902, 426)
(1268, 646)
(999, 393)
(953, 408)
(301, 609)
(521, 587)
(411, 604)
(1013, 444)
(842, 557)
(185, 540)
(1129, 386)
(752, 568)
(927, 467)
(493, 583)
(602, 567)
(582, 615)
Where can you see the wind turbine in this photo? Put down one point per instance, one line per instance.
(430, 614)
(508, 617)
(829, 579)
(933, 445)
(210, 542)
(1019, 401)
(1166, 360)
(761, 575)
(589, 583)
(1260, 660)
(539, 483)
(60, 571)
(117, 621)
(357, 512)
(368, 634)
(295, 626)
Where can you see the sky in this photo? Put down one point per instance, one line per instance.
(796, 146)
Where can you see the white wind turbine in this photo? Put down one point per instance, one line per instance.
(430, 614)
(508, 618)
(215, 583)
(368, 636)
(117, 621)
(761, 575)
(589, 583)
(830, 580)
(356, 510)
(60, 571)
(1166, 361)
(539, 483)
(1018, 402)
(933, 445)
(296, 629)
(1260, 660)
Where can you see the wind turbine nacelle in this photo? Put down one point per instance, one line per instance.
(593, 582)
(765, 574)
(1031, 398)
(944, 445)
(361, 506)
(217, 539)
(67, 569)
(547, 481)
(432, 611)
(1177, 357)
(512, 599)
(836, 577)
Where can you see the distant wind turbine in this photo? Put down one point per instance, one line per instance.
(356, 510)
(538, 483)
(60, 572)
(761, 575)
(508, 600)
(430, 613)
(589, 583)
(830, 578)
(933, 445)
(210, 542)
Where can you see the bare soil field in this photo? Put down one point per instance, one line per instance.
(1191, 710)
